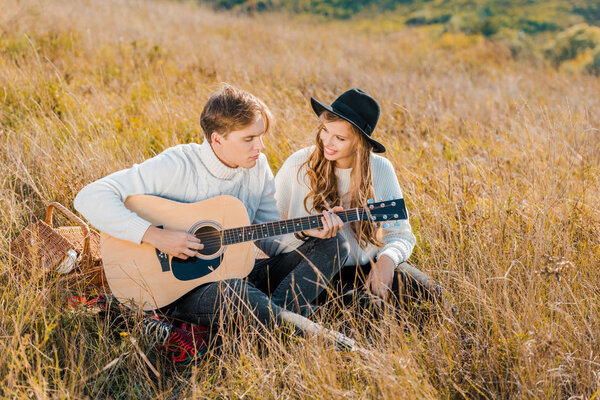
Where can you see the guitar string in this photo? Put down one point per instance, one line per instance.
(258, 231)
(261, 229)
(303, 222)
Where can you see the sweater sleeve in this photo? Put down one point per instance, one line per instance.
(267, 210)
(398, 240)
(290, 196)
(283, 189)
(102, 202)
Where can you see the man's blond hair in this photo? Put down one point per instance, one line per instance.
(230, 109)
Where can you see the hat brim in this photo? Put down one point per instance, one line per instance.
(319, 107)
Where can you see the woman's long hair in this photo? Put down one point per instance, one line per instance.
(324, 186)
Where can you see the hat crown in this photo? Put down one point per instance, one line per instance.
(356, 107)
(360, 107)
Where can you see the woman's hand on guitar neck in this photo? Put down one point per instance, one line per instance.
(331, 225)
(178, 244)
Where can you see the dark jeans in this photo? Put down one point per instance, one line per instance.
(410, 286)
(293, 280)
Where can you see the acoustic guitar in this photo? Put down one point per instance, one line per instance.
(153, 279)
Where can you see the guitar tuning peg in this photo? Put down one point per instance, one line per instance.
(386, 225)
(370, 201)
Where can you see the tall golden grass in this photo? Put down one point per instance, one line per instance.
(499, 163)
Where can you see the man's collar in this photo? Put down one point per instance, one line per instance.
(216, 166)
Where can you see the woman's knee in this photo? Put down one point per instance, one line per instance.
(338, 246)
(418, 283)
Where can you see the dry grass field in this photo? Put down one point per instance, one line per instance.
(499, 162)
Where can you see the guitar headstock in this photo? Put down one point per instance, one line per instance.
(386, 211)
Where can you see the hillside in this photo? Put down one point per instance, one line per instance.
(498, 160)
(528, 15)
(564, 33)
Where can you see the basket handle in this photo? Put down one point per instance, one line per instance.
(73, 218)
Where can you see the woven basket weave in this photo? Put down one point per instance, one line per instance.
(41, 245)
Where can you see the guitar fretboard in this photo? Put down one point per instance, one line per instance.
(269, 229)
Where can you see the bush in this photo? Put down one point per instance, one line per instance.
(423, 19)
(572, 42)
(591, 13)
(593, 67)
(520, 44)
(533, 26)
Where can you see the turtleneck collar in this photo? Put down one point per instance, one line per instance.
(343, 172)
(216, 166)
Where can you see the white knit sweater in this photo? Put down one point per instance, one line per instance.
(292, 188)
(186, 173)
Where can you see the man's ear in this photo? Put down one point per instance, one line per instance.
(215, 138)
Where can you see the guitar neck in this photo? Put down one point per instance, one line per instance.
(276, 228)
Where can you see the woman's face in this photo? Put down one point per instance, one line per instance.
(339, 142)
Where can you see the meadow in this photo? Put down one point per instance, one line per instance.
(498, 160)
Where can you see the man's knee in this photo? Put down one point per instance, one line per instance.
(234, 288)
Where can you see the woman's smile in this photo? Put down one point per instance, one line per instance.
(329, 151)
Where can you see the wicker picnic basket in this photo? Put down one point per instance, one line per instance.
(44, 246)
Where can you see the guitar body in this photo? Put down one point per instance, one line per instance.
(153, 279)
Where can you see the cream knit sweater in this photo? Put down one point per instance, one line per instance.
(291, 188)
(186, 173)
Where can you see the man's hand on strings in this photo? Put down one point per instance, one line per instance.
(178, 244)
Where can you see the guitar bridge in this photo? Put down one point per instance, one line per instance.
(163, 259)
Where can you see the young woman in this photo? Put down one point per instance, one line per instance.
(342, 170)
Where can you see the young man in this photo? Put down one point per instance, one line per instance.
(228, 162)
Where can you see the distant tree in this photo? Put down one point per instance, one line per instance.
(594, 66)
(535, 26)
(591, 13)
(228, 4)
(488, 27)
(572, 42)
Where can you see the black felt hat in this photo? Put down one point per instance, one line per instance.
(358, 108)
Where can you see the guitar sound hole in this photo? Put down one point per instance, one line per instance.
(210, 238)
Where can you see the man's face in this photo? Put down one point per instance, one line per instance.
(240, 148)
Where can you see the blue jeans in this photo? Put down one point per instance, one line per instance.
(292, 280)
(410, 287)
